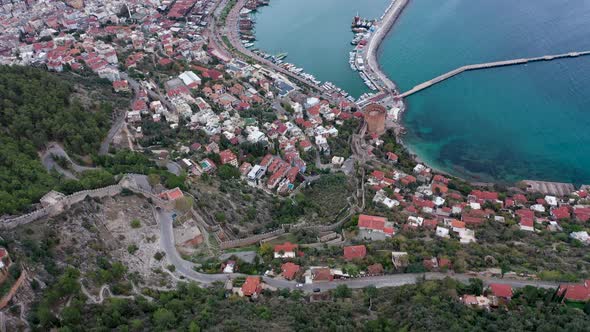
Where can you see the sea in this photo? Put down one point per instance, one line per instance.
(497, 125)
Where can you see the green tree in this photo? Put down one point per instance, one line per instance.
(164, 318)
(227, 172)
(342, 291)
(184, 204)
(153, 179)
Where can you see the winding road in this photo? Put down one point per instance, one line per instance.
(164, 218)
(54, 149)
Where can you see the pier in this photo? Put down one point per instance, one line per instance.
(374, 72)
(487, 65)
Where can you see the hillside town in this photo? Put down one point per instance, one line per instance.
(234, 128)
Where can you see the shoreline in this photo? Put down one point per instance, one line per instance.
(388, 86)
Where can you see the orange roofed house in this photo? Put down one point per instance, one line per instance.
(228, 157)
(375, 227)
(172, 194)
(355, 252)
(321, 274)
(289, 270)
(575, 292)
(285, 250)
(251, 287)
(499, 294)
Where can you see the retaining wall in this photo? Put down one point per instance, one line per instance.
(250, 240)
(4, 301)
(68, 201)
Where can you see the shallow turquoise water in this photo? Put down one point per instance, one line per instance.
(506, 124)
(503, 124)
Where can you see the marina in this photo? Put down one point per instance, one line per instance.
(367, 38)
(247, 36)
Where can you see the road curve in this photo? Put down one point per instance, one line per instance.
(164, 218)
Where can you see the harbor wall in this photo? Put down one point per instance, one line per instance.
(389, 18)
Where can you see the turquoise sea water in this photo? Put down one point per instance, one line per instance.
(505, 124)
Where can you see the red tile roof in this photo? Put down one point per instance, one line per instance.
(286, 247)
(561, 212)
(378, 175)
(419, 202)
(408, 180)
(354, 252)
(576, 292)
(392, 156)
(322, 274)
(485, 195)
(527, 217)
(164, 61)
(469, 220)
(501, 290)
(266, 160)
(520, 198)
(430, 223)
(172, 194)
(289, 270)
(227, 156)
(251, 286)
(371, 222)
(583, 214)
(441, 179)
(441, 188)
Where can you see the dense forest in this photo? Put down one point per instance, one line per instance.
(37, 107)
(427, 306)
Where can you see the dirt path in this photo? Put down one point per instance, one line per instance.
(101, 292)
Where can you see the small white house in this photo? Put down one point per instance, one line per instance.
(442, 232)
(551, 200)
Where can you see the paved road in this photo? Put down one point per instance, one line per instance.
(173, 167)
(377, 38)
(164, 218)
(106, 142)
(185, 268)
(54, 149)
(232, 31)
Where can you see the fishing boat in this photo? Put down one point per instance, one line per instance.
(281, 56)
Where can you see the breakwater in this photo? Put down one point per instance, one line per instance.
(374, 70)
(487, 65)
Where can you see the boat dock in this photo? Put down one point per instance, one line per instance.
(373, 71)
(487, 65)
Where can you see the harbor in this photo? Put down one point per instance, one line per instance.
(368, 37)
(242, 36)
(446, 142)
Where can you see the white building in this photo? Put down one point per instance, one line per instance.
(581, 236)
(256, 173)
(442, 232)
(190, 79)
